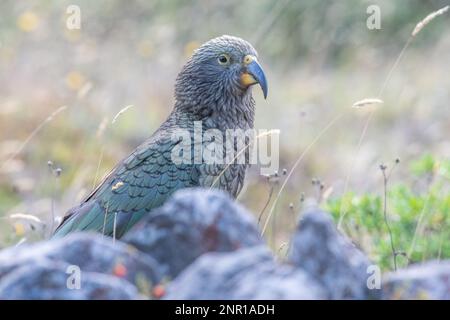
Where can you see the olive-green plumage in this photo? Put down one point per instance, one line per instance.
(209, 90)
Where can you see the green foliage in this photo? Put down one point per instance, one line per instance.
(423, 166)
(419, 219)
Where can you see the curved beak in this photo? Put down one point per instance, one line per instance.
(253, 73)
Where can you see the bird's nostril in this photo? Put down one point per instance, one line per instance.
(248, 59)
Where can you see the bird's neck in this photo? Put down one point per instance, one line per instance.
(231, 112)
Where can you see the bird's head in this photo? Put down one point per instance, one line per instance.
(222, 69)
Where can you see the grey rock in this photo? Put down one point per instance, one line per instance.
(249, 273)
(46, 279)
(191, 223)
(427, 281)
(330, 258)
(89, 252)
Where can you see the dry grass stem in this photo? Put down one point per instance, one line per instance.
(367, 102)
(297, 162)
(28, 217)
(267, 133)
(84, 90)
(122, 111)
(33, 133)
(428, 19)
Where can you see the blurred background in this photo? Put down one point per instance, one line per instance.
(60, 90)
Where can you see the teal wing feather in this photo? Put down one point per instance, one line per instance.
(141, 182)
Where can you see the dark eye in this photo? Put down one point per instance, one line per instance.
(223, 59)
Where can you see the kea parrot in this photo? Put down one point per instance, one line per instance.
(214, 89)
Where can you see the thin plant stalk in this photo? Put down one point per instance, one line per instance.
(386, 221)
